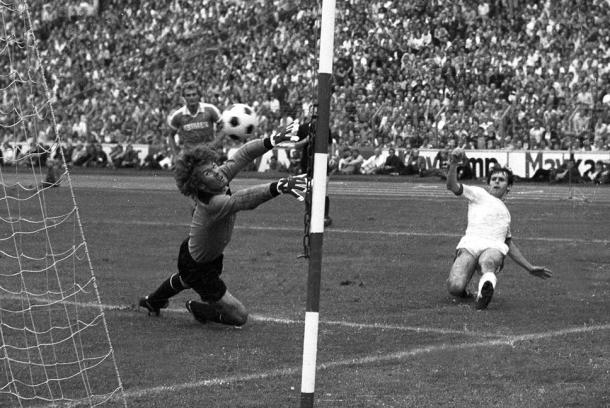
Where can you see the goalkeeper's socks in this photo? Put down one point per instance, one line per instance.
(169, 288)
(326, 207)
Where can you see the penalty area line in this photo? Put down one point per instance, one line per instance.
(279, 320)
(379, 326)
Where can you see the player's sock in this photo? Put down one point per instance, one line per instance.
(169, 288)
(487, 285)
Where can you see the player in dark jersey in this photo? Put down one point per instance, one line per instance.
(200, 258)
(305, 133)
(196, 122)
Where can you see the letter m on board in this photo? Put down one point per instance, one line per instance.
(532, 163)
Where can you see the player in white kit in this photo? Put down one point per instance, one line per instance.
(487, 239)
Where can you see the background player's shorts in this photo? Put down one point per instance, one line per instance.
(202, 277)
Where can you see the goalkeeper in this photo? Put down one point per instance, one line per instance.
(200, 260)
(487, 239)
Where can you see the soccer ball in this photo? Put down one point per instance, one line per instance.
(239, 121)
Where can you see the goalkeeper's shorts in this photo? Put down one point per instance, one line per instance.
(202, 277)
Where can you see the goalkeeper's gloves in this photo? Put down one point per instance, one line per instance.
(285, 134)
(296, 186)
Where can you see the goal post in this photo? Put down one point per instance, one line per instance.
(55, 347)
(316, 231)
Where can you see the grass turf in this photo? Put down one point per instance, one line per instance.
(390, 336)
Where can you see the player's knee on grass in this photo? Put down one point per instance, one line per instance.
(232, 310)
(237, 319)
(456, 287)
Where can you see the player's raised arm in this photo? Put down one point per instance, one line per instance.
(255, 148)
(285, 134)
(515, 254)
(296, 186)
(454, 159)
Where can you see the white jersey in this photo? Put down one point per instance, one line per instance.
(488, 222)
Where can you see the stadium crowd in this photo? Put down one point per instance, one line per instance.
(481, 74)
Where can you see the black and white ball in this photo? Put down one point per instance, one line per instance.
(239, 121)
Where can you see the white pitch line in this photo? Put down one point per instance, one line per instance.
(509, 341)
(346, 231)
(506, 340)
(285, 321)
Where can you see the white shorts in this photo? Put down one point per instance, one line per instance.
(476, 246)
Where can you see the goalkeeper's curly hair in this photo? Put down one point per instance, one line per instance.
(189, 182)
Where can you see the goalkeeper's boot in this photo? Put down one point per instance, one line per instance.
(484, 296)
(153, 307)
(195, 308)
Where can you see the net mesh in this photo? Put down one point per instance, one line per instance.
(55, 348)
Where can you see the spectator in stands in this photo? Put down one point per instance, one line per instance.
(414, 163)
(130, 158)
(281, 92)
(9, 154)
(274, 165)
(604, 175)
(64, 152)
(393, 165)
(373, 163)
(152, 158)
(37, 155)
(548, 61)
(344, 160)
(115, 155)
(294, 157)
(568, 172)
(166, 162)
(99, 159)
(84, 155)
(599, 174)
(79, 154)
(353, 163)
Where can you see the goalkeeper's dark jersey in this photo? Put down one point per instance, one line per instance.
(213, 220)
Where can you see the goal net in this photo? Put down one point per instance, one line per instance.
(55, 348)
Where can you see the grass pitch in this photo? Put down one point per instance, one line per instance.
(390, 336)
